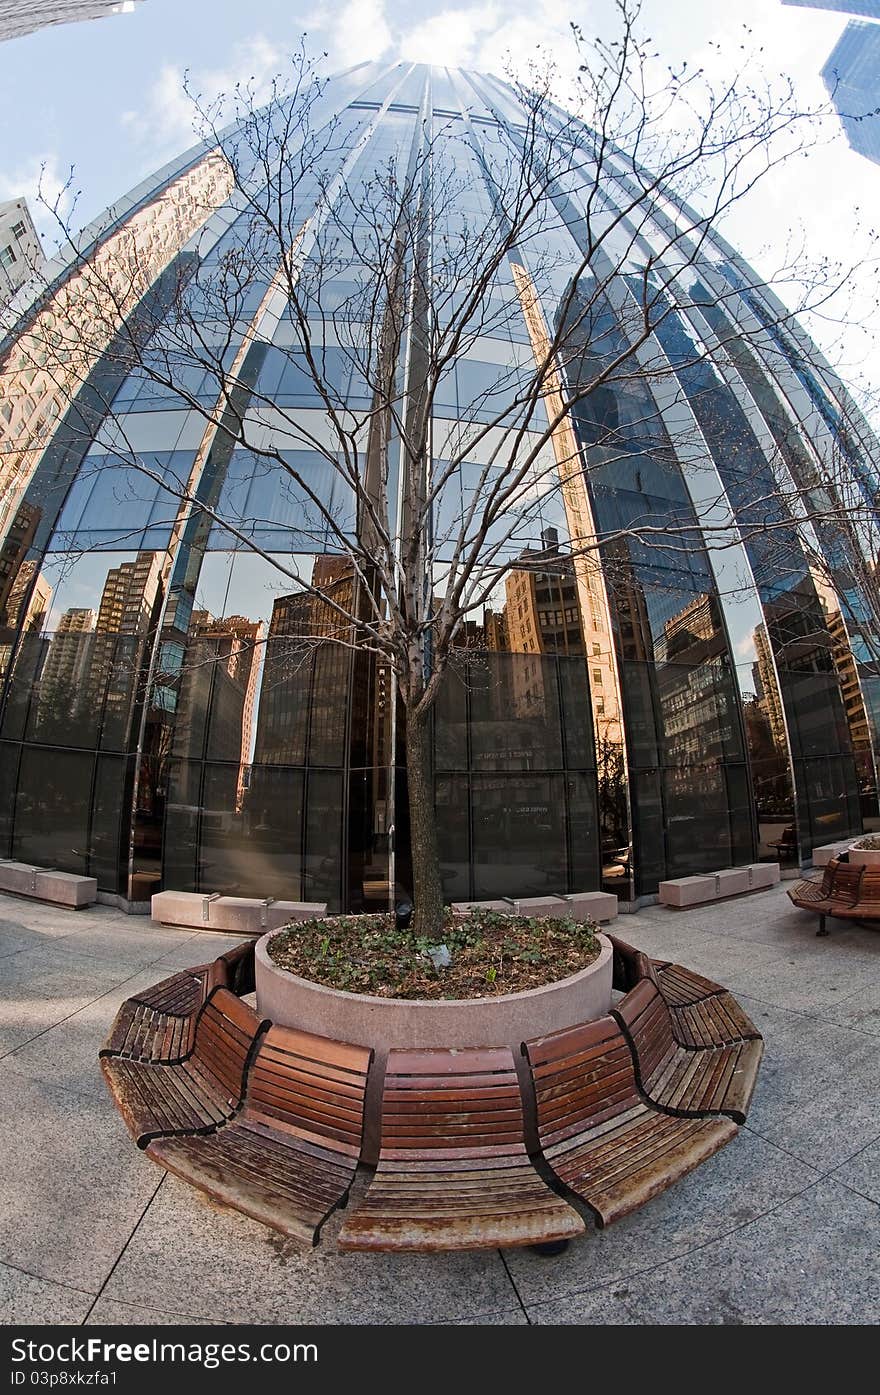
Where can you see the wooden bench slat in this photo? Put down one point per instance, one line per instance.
(691, 1060)
(617, 1156)
(289, 1156)
(453, 1171)
(202, 1088)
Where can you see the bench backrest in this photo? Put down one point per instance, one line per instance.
(869, 887)
(582, 1076)
(310, 1086)
(628, 965)
(451, 1104)
(236, 967)
(645, 1019)
(225, 1037)
(846, 882)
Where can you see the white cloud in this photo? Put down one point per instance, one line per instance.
(356, 33)
(167, 122)
(452, 38)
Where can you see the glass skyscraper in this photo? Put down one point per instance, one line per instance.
(177, 712)
(852, 73)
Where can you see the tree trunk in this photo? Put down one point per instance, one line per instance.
(427, 889)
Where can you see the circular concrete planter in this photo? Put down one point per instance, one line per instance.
(864, 857)
(383, 1023)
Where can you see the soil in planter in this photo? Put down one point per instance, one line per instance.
(491, 953)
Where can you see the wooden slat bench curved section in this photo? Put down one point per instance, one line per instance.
(705, 1079)
(289, 1157)
(453, 1171)
(201, 1090)
(158, 1023)
(609, 1146)
(839, 893)
(681, 986)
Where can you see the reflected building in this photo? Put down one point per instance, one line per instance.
(186, 703)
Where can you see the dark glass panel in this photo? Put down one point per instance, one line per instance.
(648, 830)
(26, 668)
(577, 718)
(583, 837)
(515, 720)
(253, 837)
(181, 833)
(52, 808)
(9, 757)
(322, 871)
(109, 823)
(453, 835)
(519, 835)
(328, 704)
(450, 720)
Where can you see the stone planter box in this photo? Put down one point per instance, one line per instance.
(506, 1020)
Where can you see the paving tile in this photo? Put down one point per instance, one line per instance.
(108, 1311)
(198, 949)
(747, 1177)
(806, 983)
(862, 1172)
(608, 1306)
(812, 1261)
(66, 1054)
(510, 1317)
(39, 989)
(72, 1184)
(860, 1010)
(218, 1264)
(138, 945)
(827, 1126)
(26, 1299)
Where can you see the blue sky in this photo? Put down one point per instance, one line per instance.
(105, 96)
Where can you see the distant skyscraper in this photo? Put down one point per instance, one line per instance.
(21, 253)
(19, 17)
(852, 76)
(852, 72)
(870, 8)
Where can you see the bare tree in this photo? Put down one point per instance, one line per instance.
(579, 234)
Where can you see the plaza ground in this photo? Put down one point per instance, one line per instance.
(782, 1226)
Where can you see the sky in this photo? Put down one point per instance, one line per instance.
(104, 100)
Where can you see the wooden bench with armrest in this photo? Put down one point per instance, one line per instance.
(605, 1142)
(289, 1156)
(200, 1090)
(453, 1171)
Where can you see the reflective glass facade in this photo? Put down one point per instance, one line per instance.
(178, 711)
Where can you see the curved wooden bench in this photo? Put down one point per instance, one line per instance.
(703, 1013)
(714, 1076)
(200, 1090)
(601, 1138)
(158, 1023)
(844, 893)
(453, 1171)
(289, 1157)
